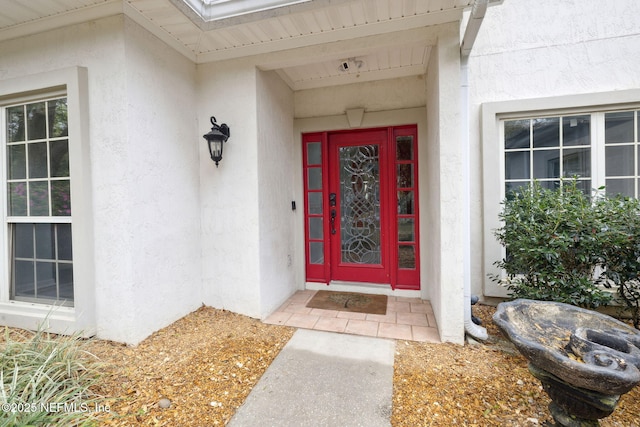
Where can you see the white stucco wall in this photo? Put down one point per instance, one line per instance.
(144, 194)
(277, 234)
(161, 183)
(443, 188)
(429, 180)
(552, 49)
(248, 255)
(229, 193)
(381, 95)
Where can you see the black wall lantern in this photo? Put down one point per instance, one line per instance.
(216, 139)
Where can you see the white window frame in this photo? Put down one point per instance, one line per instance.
(72, 83)
(494, 113)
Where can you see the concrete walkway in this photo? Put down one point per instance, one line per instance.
(324, 379)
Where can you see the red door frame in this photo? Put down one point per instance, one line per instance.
(405, 278)
(316, 169)
(371, 273)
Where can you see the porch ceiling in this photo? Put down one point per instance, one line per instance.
(375, 38)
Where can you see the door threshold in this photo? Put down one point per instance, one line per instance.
(363, 287)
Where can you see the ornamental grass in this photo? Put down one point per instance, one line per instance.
(46, 380)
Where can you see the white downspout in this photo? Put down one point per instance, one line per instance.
(478, 10)
(473, 26)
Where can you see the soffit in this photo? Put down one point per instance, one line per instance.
(377, 38)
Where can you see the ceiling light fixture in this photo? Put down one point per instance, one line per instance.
(350, 64)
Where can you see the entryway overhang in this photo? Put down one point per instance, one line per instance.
(316, 43)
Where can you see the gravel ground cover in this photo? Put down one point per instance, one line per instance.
(199, 370)
(478, 385)
(202, 367)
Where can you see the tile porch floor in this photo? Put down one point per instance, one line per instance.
(408, 319)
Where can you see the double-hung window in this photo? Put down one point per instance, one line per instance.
(47, 274)
(39, 201)
(591, 138)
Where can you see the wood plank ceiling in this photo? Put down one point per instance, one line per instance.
(320, 35)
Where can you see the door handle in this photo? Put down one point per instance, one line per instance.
(333, 221)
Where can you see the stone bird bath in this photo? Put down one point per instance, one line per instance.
(585, 360)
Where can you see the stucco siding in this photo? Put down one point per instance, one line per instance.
(552, 49)
(382, 95)
(431, 237)
(275, 181)
(161, 182)
(444, 187)
(230, 193)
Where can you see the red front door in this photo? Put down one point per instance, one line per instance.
(358, 205)
(361, 206)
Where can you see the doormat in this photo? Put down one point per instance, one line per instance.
(349, 301)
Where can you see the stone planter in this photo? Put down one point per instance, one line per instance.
(585, 360)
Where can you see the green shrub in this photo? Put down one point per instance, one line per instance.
(46, 381)
(558, 242)
(621, 254)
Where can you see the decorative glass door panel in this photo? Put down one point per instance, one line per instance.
(360, 204)
(358, 190)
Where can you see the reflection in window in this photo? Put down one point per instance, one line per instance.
(406, 256)
(314, 153)
(576, 130)
(316, 253)
(621, 153)
(546, 132)
(42, 267)
(547, 149)
(517, 134)
(405, 202)
(618, 127)
(404, 148)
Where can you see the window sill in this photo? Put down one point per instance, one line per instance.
(51, 318)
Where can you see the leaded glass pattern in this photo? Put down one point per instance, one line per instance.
(360, 204)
